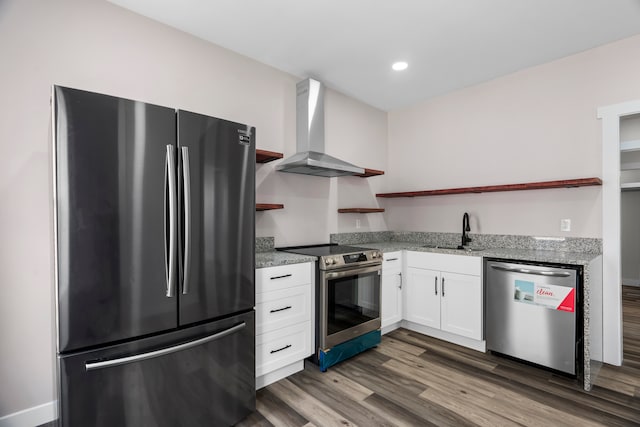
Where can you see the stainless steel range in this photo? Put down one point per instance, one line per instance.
(348, 283)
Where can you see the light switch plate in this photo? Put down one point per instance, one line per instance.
(565, 224)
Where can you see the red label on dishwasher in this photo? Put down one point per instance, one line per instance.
(546, 295)
(569, 302)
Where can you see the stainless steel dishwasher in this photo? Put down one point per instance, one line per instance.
(533, 312)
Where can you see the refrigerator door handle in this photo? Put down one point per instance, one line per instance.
(186, 175)
(170, 251)
(92, 366)
(527, 271)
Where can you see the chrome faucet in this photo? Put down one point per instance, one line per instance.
(465, 228)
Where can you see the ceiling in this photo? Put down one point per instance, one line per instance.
(351, 44)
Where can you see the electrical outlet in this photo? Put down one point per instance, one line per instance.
(357, 223)
(565, 224)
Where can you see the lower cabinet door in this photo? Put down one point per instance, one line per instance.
(422, 297)
(204, 375)
(461, 305)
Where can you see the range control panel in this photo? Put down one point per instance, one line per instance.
(331, 262)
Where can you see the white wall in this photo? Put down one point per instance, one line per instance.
(538, 124)
(94, 45)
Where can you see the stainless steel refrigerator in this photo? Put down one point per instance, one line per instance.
(154, 227)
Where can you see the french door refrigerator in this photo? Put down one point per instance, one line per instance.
(154, 231)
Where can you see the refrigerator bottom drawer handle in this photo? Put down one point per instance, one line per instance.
(91, 366)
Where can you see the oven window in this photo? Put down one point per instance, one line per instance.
(352, 300)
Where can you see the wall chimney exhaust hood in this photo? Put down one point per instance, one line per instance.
(311, 158)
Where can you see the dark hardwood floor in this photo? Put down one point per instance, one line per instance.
(413, 380)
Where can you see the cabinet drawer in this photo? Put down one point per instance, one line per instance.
(283, 276)
(462, 264)
(279, 348)
(392, 261)
(277, 309)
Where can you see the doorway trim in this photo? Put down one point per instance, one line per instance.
(611, 256)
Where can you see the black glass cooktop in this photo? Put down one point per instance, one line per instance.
(322, 250)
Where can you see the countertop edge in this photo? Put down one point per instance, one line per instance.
(277, 258)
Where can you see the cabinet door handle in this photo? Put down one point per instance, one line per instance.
(280, 277)
(443, 287)
(435, 285)
(280, 309)
(280, 349)
(400, 274)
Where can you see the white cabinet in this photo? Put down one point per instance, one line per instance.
(284, 326)
(422, 297)
(392, 283)
(444, 292)
(461, 304)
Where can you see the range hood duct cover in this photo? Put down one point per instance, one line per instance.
(311, 158)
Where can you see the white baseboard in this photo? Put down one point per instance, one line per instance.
(446, 336)
(630, 282)
(389, 328)
(31, 417)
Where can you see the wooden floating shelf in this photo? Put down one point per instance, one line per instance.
(268, 206)
(582, 182)
(264, 156)
(360, 210)
(370, 172)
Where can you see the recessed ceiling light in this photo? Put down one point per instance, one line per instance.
(399, 66)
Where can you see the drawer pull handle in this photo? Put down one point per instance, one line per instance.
(280, 309)
(280, 349)
(391, 259)
(281, 277)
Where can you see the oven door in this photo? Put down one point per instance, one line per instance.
(349, 304)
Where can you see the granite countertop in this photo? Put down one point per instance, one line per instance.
(560, 257)
(275, 258)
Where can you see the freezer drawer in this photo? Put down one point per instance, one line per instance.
(532, 313)
(210, 382)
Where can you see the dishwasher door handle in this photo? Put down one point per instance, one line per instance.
(527, 271)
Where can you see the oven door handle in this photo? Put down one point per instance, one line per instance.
(353, 272)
